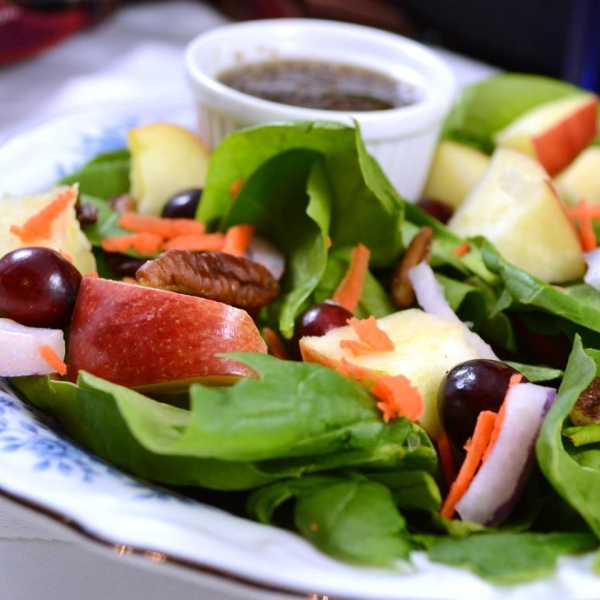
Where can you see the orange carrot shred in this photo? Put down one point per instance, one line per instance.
(235, 187)
(128, 279)
(39, 225)
(447, 461)
(207, 242)
(475, 448)
(585, 227)
(462, 249)
(398, 398)
(372, 338)
(356, 372)
(237, 239)
(144, 243)
(48, 353)
(93, 274)
(349, 290)
(164, 227)
(274, 343)
(66, 255)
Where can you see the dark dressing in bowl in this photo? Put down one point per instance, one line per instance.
(319, 85)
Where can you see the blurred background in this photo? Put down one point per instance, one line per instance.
(559, 38)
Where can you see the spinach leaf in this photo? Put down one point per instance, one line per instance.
(508, 557)
(105, 176)
(578, 484)
(356, 521)
(364, 205)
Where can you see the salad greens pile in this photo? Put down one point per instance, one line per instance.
(303, 443)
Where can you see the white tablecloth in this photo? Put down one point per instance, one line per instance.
(136, 54)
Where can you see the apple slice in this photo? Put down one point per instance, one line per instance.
(141, 337)
(64, 233)
(455, 169)
(554, 133)
(581, 179)
(165, 159)
(426, 347)
(516, 207)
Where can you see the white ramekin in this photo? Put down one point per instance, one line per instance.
(402, 139)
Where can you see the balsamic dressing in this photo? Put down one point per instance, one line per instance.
(321, 85)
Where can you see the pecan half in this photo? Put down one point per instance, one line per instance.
(587, 408)
(215, 275)
(419, 249)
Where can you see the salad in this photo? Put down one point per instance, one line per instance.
(446, 397)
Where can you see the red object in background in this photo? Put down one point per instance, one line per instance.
(26, 31)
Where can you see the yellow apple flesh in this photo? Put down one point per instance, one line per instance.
(426, 347)
(516, 207)
(165, 159)
(66, 236)
(581, 179)
(142, 337)
(554, 133)
(455, 169)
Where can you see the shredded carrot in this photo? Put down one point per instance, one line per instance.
(93, 274)
(397, 398)
(274, 343)
(144, 243)
(475, 448)
(582, 217)
(235, 187)
(166, 228)
(329, 242)
(49, 355)
(462, 249)
(237, 239)
(447, 461)
(349, 290)
(361, 374)
(128, 279)
(39, 225)
(372, 338)
(593, 210)
(208, 242)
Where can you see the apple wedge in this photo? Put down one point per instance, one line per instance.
(554, 133)
(581, 179)
(63, 233)
(165, 159)
(426, 347)
(143, 338)
(516, 207)
(455, 169)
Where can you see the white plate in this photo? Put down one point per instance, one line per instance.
(40, 468)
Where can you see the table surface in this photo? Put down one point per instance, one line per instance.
(134, 55)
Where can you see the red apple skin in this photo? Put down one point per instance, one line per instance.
(558, 146)
(137, 336)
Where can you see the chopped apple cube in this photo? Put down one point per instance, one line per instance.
(426, 347)
(581, 179)
(516, 207)
(165, 159)
(455, 169)
(554, 133)
(65, 235)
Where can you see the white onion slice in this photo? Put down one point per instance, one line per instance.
(592, 275)
(499, 482)
(262, 251)
(430, 296)
(20, 344)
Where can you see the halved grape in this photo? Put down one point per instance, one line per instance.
(38, 287)
(468, 389)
